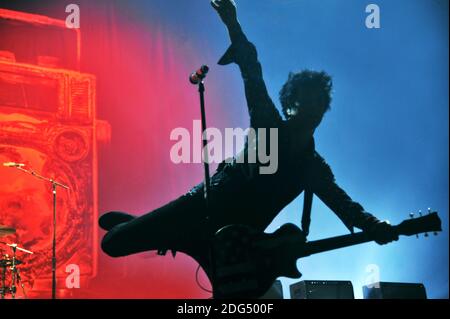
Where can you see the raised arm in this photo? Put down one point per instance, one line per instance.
(263, 112)
(350, 212)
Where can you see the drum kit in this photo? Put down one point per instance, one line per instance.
(10, 263)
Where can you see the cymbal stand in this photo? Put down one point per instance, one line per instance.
(3, 287)
(14, 272)
(19, 280)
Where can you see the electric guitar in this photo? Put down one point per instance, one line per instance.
(247, 262)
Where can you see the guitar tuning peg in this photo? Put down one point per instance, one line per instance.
(411, 215)
(429, 210)
(420, 214)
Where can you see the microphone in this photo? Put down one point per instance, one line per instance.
(12, 164)
(199, 75)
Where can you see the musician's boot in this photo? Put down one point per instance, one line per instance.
(112, 219)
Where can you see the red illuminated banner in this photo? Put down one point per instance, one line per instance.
(47, 122)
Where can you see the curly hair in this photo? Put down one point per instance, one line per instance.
(306, 89)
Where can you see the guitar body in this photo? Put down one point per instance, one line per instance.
(247, 262)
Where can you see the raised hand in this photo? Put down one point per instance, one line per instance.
(226, 10)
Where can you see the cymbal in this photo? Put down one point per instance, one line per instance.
(5, 230)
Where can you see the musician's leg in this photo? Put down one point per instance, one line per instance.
(172, 226)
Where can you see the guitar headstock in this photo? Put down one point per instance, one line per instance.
(422, 224)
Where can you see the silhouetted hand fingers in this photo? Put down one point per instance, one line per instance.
(384, 233)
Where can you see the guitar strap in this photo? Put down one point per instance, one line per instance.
(306, 215)
(307, 200)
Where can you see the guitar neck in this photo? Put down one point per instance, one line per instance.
(428, 223)
(319, 246)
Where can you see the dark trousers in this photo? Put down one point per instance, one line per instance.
(179, 226)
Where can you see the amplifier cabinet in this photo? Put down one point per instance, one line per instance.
(322, 289)
(394, 290)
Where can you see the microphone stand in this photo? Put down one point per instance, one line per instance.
(201, 90)
(54, 185)
(207, 183)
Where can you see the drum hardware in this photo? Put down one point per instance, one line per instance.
(11, 263)
(54, 184)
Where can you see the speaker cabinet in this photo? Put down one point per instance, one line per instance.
(394, 290)
(322, 289)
